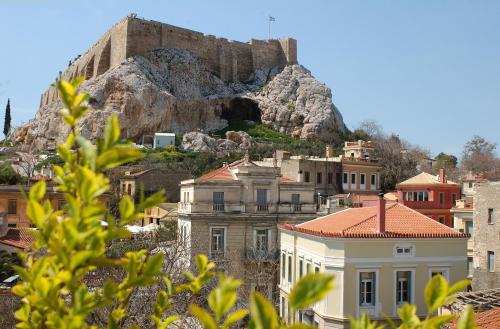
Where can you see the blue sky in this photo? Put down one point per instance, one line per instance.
(428, 71)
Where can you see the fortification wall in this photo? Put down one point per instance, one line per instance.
(230, 60)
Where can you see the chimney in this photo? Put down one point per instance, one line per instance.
(381, 213)
(329, 151)
(442, 176)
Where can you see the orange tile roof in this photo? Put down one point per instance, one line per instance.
(223, 173)
(21, 238)
(485, 320)
(400, 222)
(425, 179)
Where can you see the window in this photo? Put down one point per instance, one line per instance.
(301, 268)
(469, 227)
(60, 204)
(217, 241)
(308, 268)
(441, 219)
(470, 266)
(441, 198)
(262, 240)
(344, 178)
(296, 202)
(453, 198)
(129, 189)
(353, 179)
(12, 207)
(443, 273)
(289, 269)
(316, 269)
(218, 199)
(283, 307)
(403, 250)
(11, 225)
(330, 178)
(362, 179)
(403, 287)
(319, 177)
(373, 181)
(283, 266)
(426, 196)
(490, 216)
(470, 185)
(306, 177)
(491, 261)
(262, 200)
(367, 288)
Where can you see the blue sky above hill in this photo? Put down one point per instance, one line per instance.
(428, 71)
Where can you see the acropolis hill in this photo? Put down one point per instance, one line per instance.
(160, 78)
(229, 60)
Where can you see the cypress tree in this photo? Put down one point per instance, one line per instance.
(6, 124)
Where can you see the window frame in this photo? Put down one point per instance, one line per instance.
(491, 216)
(224, 244)
(491, 261)
(319, 177)
(256, 239)
(373, 289)
(410, 287)
(10, 207)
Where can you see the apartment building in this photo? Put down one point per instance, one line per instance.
(463, 222)
(231, 214)
(355, 172)
(433, 196)
(382, 256)
(486, 239)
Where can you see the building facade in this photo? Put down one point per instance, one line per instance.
(232, 213)
(382, 256)
(355, 172)
(433, 196)
(463, 222)
(486, 240)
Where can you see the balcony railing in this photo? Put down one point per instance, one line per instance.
(297, 207)
(262, 254)
(218, 207)
(262, 207)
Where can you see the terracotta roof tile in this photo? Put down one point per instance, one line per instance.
(424, 179)
(401, 221)
(485, 320)
(21, 238)
(223, 173)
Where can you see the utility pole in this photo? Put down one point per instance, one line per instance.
(271, 19)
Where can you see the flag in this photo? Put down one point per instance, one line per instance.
(272, 19)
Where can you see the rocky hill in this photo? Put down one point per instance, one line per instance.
(171, 90)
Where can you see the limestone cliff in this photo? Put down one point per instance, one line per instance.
(172, 90)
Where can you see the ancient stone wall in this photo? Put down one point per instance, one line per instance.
(230, 60)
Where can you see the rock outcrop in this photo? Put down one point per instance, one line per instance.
(235, 142)
(171, 90)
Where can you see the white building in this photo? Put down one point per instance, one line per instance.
(163, 139)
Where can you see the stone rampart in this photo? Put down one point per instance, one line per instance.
(230, 60)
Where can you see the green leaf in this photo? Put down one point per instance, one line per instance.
(436, 292)
(407, 314)
(203, 316)
(467, 319)
(118, 155)
(37, 191)
(127, 210)
(111, 132)
(234, 317)
(263, 313)
(35, 213)
(81, 257)
(459, 286)
(153, 265)
(310, 289)
(152, 200)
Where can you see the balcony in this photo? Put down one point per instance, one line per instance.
(297, 207)
(219, 207)
(263, 207)
(268, 255)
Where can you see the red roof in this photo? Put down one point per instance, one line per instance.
(21, 238)
(400, 222)
(223, 173)
(485, 320)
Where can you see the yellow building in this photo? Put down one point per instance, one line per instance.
(382, 256)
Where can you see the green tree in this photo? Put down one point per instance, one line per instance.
(444, 160)
(7, 120)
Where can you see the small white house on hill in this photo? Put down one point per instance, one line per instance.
(163, 139)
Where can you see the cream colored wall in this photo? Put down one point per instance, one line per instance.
(346, 257)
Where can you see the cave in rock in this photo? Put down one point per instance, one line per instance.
(240, 109)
